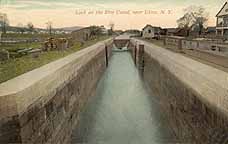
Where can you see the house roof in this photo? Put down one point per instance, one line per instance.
(180, 31)
(221, 10)
(148, 25)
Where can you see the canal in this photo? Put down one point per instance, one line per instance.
(122, 111)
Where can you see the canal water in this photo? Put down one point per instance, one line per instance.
(122, 111)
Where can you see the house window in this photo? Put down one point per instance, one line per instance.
(225, 21)
(149, 31)
(220, 21)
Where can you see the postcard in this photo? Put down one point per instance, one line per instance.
(113, 72)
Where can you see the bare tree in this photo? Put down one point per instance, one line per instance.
(30, 27)
(4, 22)
(194, 17)
(112, 25)
(49, 27)
(111, 30)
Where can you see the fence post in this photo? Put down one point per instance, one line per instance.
(135, 54)
(106, 55)
(164, 41)
(180, 44)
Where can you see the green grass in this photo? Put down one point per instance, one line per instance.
(30, 35)
(18, 66)
(16, 47)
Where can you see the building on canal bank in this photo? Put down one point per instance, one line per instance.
(222, 21)
(150, 31)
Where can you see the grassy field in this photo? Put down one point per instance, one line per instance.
(18, 66)
(29, 35)
(16, 47)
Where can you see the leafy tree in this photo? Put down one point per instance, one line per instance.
(194, 17)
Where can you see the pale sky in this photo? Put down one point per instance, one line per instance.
(65, 13)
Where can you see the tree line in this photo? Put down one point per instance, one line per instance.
(29, 27)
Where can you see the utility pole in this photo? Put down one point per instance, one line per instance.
(0, 24)
(0, 38)
(49, 27)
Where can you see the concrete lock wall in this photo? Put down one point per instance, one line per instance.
(194, 96)
(42, 106)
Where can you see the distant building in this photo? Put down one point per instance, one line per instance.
(170, 31)
(210, 31)
(196, 31)
(103, 30)
(133, 31)
(222, 21)
(150, 32)
(182, 32)
(118, 32)
(82, 34)
(87, 33)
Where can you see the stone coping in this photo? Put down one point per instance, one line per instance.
(25, 80)
(210, 84)
(18, 93)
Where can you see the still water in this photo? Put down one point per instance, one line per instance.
(122, 111)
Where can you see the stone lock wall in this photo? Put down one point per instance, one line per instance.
(193, 95)
(43, 106)
(137, 53)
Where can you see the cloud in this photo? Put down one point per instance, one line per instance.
(31, 4)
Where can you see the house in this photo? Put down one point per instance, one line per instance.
(222, 21)
(150, 31)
